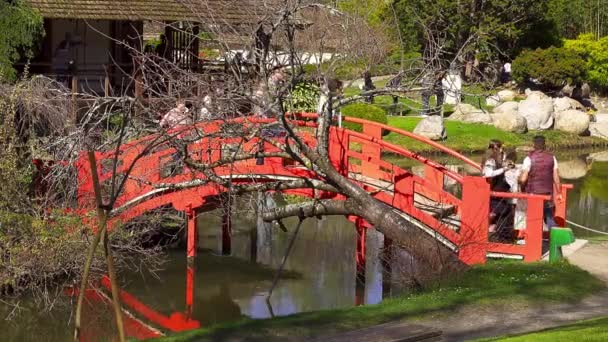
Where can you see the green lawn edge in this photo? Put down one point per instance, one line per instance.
(588, 330)
(471, 138)
(499, 282)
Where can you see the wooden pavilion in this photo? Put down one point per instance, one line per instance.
(89, 43)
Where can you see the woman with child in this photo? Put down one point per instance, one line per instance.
(493, 169)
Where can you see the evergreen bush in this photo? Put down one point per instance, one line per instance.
(552, 68)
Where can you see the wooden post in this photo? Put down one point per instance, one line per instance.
(106, 86)
(75, 99)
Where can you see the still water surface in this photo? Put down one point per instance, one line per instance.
(321, 268)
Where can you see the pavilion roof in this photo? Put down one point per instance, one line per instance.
(227, 11)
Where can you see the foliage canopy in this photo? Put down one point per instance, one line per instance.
(595, 54)
(21, 28)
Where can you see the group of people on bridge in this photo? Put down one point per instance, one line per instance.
(538, 174)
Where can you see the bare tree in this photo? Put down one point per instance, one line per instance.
(281, 37)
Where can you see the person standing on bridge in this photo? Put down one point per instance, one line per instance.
(494, 172)
(540, 176)
(176, 116)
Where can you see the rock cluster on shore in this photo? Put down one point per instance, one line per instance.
(537, 111)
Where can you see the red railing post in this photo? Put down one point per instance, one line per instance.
(534, 229)
(191, 243)
(371, 150)
(339, 141)
(435, 178)
(560, 206)
(474, 220)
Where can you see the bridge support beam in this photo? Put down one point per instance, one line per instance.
(191, 248)
(227, 226)
(387, 271)
(192, 236)
(360, 262)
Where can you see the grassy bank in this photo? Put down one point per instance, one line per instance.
(494, 283)
(589, 330)
(468, 137)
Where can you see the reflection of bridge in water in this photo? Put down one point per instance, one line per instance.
(456, 218)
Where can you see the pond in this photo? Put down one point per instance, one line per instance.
(320, 270)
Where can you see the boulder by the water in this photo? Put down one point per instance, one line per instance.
(510, 122)
(585, 90)
(431, 127)
(572, 169)
(493, 100)
(561, 104)
(599, 129)
(509, 107)
(600, 117)
(538, 111)
(598, 156)
(465, 112)
(506, 95)
(567, 90)
(536, 94)
(572, 121)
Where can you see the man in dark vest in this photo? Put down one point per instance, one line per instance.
(539, 176)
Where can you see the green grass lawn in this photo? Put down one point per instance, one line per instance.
(589, 330)
(498, 282)
(473, 95)
(468, 137)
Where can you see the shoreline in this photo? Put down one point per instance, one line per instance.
(472, 138)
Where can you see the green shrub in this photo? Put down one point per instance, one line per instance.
(363, 111)
(595, 54)
(304, 98)
(552, 67)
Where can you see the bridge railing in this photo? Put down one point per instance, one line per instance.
(473, 208)
(358, 156)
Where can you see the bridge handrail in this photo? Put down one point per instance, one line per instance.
(406, 153)
(411, 135)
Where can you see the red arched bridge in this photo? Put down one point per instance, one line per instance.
(458, 219)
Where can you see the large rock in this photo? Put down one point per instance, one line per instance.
(431, 127)
(510, 108)
(567, 90)
(506, 95)
(493, 100)
(512, 122)
(536, 94)
(599, 129)
(598, 156)
(465, 112)
(561, 104)
(600, 117)
(538, 111)
(572, 169)
(585, 90)
(572, 121)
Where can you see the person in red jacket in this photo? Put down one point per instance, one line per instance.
(540, 176)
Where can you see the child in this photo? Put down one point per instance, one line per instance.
(520, 206)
